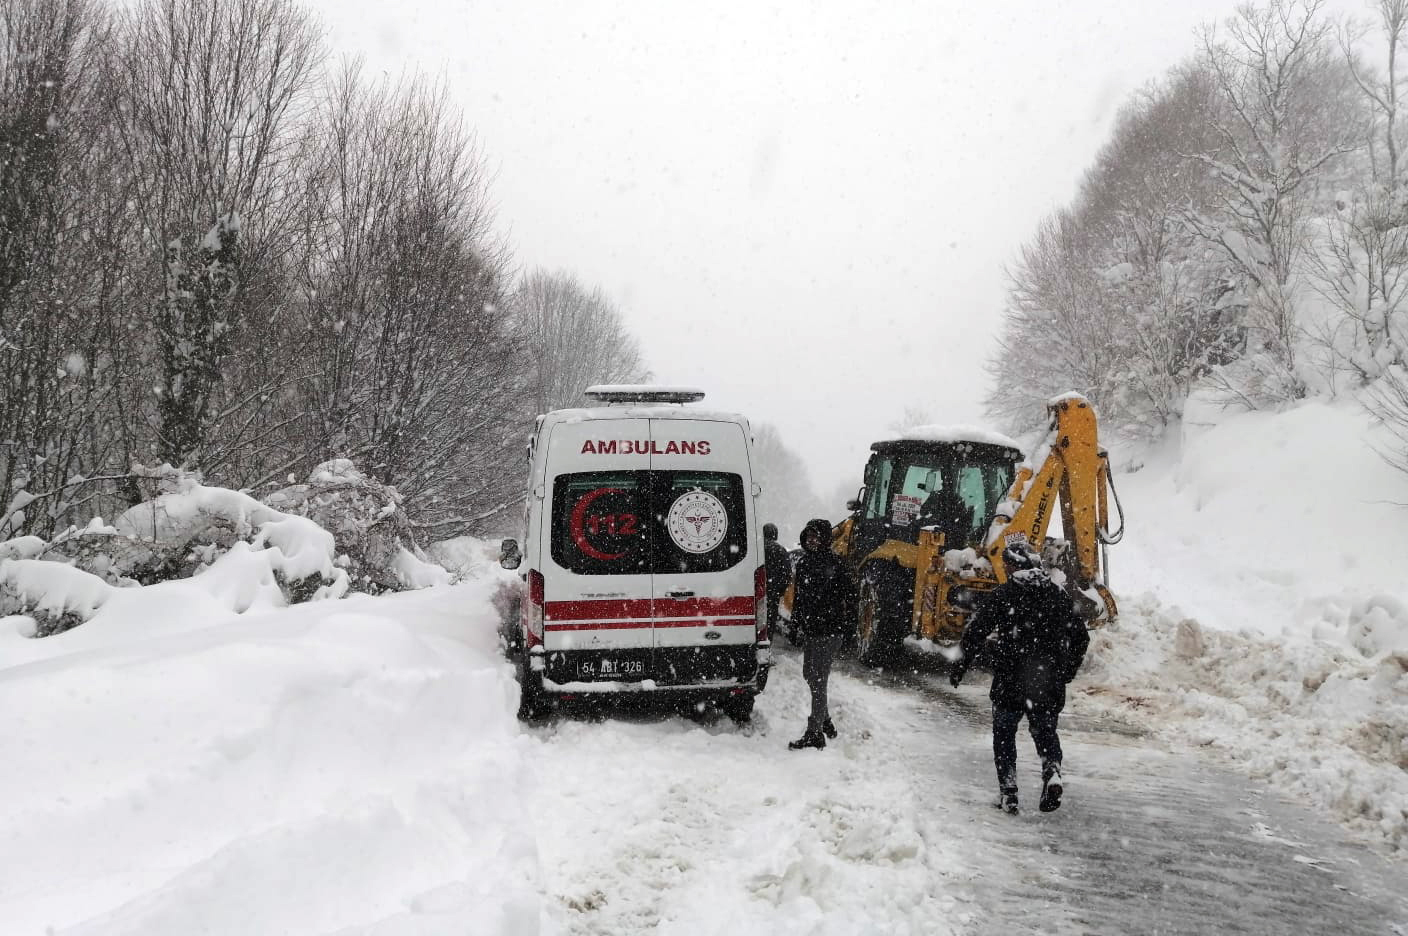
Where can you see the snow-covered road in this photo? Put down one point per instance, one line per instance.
(891, 830)
(1148, 840)
(354, 767)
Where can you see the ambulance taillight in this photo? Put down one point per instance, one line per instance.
(533, 612)
(760, 603)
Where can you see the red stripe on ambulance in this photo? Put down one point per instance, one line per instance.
(644, 609)
(648, 624)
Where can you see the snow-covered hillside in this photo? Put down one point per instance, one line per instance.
(1265, 605)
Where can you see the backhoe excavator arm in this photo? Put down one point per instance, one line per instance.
(1070, 464)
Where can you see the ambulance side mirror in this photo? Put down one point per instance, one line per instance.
(509, 556)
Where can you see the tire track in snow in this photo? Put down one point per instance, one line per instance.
(659, 824)
(1148, 840)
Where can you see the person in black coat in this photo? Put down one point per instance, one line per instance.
(822, 599)
(1037, 647)
(779, 572)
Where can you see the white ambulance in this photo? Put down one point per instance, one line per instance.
(642, 554)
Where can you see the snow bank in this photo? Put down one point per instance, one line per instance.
(1316, 718)
(466, 556)
(1263, 606)
(337, 766)
(415, 572)
(1254, 516)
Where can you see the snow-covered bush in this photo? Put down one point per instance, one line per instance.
(188, 526)
(247, 552)
(320, 539)
(367, 519)
(54, 595)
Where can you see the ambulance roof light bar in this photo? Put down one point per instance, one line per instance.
(643, 393)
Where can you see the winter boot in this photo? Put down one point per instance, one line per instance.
(812, 738)
(1051, 788)
(828, 729)
(1007, 801)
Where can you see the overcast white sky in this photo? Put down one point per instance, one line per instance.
(804, 209)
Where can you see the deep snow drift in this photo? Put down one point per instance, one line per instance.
(174, 768)
(355, 766)
(1264, 607)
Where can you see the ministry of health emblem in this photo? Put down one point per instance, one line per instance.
(697, 521)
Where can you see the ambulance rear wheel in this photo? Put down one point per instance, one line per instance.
(739, 708)
(532, 702)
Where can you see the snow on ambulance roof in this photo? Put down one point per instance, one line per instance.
(938, 433)
(643, 393)
(643, 401)
(646, 411)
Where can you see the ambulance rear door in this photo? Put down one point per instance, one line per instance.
(701, 495)
(598, 584)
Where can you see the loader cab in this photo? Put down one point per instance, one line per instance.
(952, 484)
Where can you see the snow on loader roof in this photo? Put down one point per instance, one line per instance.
(957, 433)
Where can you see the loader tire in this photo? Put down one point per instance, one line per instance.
(882, 617)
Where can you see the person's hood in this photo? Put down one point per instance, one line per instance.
(819, 525)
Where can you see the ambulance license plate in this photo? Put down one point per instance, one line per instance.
(610, 668)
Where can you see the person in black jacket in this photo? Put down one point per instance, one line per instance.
(779, 573)
(822, 599)
(1037, 646)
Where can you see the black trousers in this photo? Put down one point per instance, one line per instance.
(1042, 724)
(818, 653)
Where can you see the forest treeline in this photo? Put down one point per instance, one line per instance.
(1243, 234)
(225, 250)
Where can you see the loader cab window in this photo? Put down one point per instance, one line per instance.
(877, 487)
(920, 483)
(984, 478)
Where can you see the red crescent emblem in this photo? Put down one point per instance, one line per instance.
(579, 535)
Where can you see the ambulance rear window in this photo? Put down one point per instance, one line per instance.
(601, 523)
(700, 521)
(636, 522)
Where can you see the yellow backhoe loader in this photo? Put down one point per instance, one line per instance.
(926, 533)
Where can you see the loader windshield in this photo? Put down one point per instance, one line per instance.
(982, 487)
(954, 487)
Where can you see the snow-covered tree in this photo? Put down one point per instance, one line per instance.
(58, 274)
(212, 98)
(1286, 112)
(1182, 259)
(575, 338)
(415, 370)
(195, 328)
